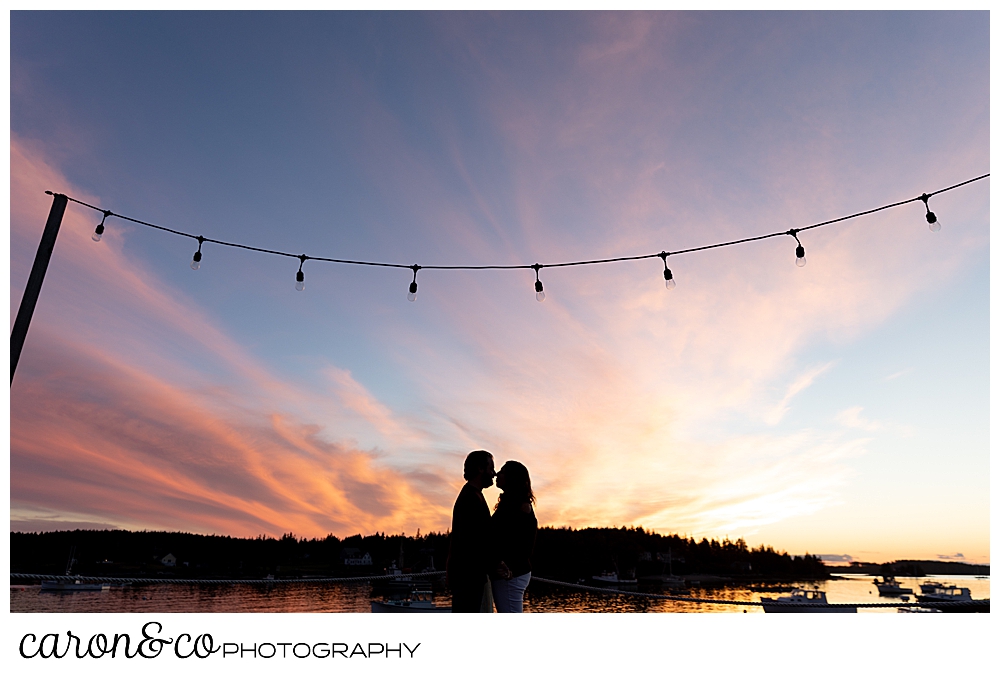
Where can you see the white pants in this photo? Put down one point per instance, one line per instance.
(508, 595)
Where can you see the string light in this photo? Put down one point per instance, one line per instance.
(668, 275)
(800, 252)
(300, 278)
(539, 291)
(99, 231)
(932, 220)
(196, 261)
(412, 294)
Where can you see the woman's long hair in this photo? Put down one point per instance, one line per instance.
(517, 486)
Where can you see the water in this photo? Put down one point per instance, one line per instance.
(358, 597)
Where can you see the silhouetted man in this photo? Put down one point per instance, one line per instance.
(469, 553)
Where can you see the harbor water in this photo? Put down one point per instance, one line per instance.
(357, 597)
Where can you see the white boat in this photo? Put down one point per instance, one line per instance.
(889, 586)
(612, 578)
(801, 600)
(930, 587)
(950, 598)
(419, 600)
(941, 594)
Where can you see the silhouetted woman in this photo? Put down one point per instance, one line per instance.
(513, 526)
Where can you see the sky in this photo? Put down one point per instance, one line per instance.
(839, 409)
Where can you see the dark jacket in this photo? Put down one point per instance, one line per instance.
(470, 551)
(514, 533)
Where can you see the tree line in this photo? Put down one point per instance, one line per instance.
(560, 553)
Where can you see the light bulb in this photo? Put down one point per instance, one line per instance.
(932, 222)
(196, 262)
(412, 294)
(539, 294)
(800, 256)
(96, 238)
(800, 261)
(668, 277)
(671, 284)
(300, 281)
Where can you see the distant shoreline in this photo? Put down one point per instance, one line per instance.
(912, 568)
(560, 553)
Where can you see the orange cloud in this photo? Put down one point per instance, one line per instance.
(94, 436)
(131, 407)
(614, 392)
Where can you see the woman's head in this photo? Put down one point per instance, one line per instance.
(515, 483)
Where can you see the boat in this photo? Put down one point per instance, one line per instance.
(801, 600)
(942, 593)
(951, 598)
(71, 584)
(419, 600)
(889, 586)
(930, 587)
(395, 581)
(665, 581)
(612, 578)
(668, 580)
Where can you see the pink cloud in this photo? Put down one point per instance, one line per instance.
(91, 435)
(131, 407)
(609, 391)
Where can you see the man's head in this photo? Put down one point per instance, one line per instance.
(479, 469)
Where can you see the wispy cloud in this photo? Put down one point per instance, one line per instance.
(154, 415)
(132, 408)
(851, 418)
(91, 434)
(896, 375)
(135, 407)
(774, 416)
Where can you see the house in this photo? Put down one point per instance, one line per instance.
(354, 557)
(169, 560)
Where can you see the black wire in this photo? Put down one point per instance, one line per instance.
(525, 266)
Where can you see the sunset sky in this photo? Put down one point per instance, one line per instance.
(841, 408)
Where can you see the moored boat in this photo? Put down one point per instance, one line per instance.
(889, 586)
(942, 593)
(419, 600)
(612, 578)
(69, 584)
(930, 587)
(665, 581)
(951, 598)
(801, 600)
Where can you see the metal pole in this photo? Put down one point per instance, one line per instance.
(34, 287)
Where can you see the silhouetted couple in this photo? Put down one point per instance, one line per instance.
(489, 559)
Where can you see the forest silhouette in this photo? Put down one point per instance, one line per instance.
(560, 553)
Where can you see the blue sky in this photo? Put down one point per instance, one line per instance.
(813, 409)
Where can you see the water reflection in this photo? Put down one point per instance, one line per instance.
(357, 597)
